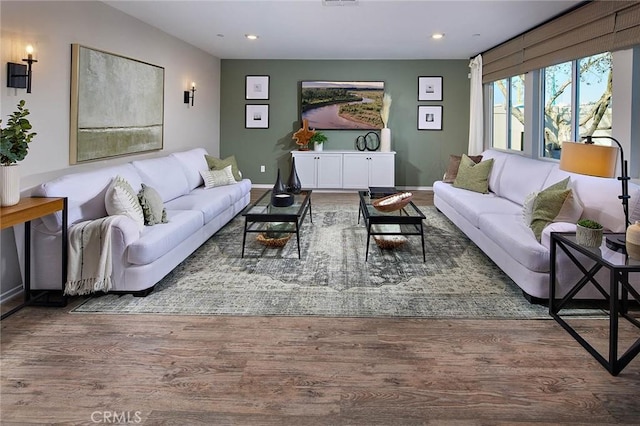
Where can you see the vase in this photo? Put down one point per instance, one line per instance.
(385, 140)
(317, 147)
(293, 183)
(9, 185)
(633, 241)
(278, 187)
(588, 237)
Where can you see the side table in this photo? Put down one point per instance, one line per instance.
(616, 293)
(25, 211)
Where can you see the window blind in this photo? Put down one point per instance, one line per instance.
(595, 27)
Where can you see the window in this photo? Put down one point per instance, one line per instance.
(577, 101)
(507, 128)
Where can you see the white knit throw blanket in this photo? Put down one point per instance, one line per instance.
(89, 264)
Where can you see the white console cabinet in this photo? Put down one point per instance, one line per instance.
(345, 169)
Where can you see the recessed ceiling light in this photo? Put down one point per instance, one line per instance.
(437, 36)
(251, 36)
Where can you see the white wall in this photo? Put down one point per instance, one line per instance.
(51, 27)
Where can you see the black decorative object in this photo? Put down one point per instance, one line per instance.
(282, 200)
(369, 142)
(293, 184)
(279, 187)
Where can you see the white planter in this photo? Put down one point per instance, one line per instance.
(385, 140)
(9, 185)
(317, 146)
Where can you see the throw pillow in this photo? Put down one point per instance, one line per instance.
(213, 178)
(120, 198)
(454, 164)
(152, 206)
(572, 205)
(217, 164)
(472, 176)
(545, 209)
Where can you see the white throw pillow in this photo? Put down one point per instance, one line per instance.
(122, 199)
(527, 208)
(213, 178)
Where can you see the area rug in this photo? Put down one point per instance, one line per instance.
(332, 278)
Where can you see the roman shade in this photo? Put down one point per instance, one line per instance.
(595, 27)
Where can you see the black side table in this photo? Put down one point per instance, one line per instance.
(616, 294)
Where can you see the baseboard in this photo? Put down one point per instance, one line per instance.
(11, 293)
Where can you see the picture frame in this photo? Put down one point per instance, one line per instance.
(429, 117)
(430, 88)
(256, 116)
(101, 84)
(257, 87)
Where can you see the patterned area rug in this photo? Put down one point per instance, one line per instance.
(332, 278)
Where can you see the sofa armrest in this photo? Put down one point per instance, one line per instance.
(545, 239)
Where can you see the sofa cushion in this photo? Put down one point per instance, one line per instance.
(454, 163)
(509, 232)
(521, 176)
(156, 241)
(472, 176)
(213, 178)
(165, 174)
(218, 164)
(192, 162)
(152, 206)
(499, 158)
(120, 198)
(85, 193)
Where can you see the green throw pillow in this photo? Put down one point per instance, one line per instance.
(152, 206)
(472, 176)
(546, 207)
(217, 164)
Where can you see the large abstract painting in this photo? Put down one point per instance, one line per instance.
(117, 105)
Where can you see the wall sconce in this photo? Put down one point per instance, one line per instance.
(18, 75)
(189, 96)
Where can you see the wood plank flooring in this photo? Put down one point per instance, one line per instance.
(62, 368)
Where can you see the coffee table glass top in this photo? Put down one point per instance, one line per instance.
(262, 208)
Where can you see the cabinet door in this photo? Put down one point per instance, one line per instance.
(329, 167)
(306, 169)
(355, 171)
(382, 170)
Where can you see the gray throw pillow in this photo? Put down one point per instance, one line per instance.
(152, 206)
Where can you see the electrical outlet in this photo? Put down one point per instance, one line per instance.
(262, 169)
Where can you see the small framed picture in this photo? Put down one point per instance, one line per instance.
(256, 116)
(429, 88)
(257, 87)
(429, 117)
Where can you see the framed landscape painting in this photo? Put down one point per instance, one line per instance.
(342, 105)
(117, 105)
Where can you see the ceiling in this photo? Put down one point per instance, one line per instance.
(358, 29)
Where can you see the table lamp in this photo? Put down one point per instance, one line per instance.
(599, 160)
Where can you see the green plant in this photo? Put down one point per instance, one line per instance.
(15, 137)
(588, 223)
(318, 137)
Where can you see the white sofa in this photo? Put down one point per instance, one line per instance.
(495, 222)
(140, 258)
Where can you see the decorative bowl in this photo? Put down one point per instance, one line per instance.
(393, 202)
(273, 242)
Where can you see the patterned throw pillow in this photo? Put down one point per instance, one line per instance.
(547, 205)
(152, 206)
(472, 176)
(122, 199)
(213, 178)
(217, 164)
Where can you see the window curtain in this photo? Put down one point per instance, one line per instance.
(476, 119)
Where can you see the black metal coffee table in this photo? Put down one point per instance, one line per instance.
(259, 215)
(409, 220)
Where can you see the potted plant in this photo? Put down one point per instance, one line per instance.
(14, 144)
(589, 233)
(318, 138)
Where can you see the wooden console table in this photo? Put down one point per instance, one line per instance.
(25, 211)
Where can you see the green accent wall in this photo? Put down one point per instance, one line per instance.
(422, 155)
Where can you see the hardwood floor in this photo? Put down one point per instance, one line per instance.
(64, 368)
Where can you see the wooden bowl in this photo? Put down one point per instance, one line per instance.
(393, 202)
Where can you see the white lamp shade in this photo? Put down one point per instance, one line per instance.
(589, 159)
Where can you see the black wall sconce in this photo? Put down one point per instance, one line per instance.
(189, 96)
(18, 75)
